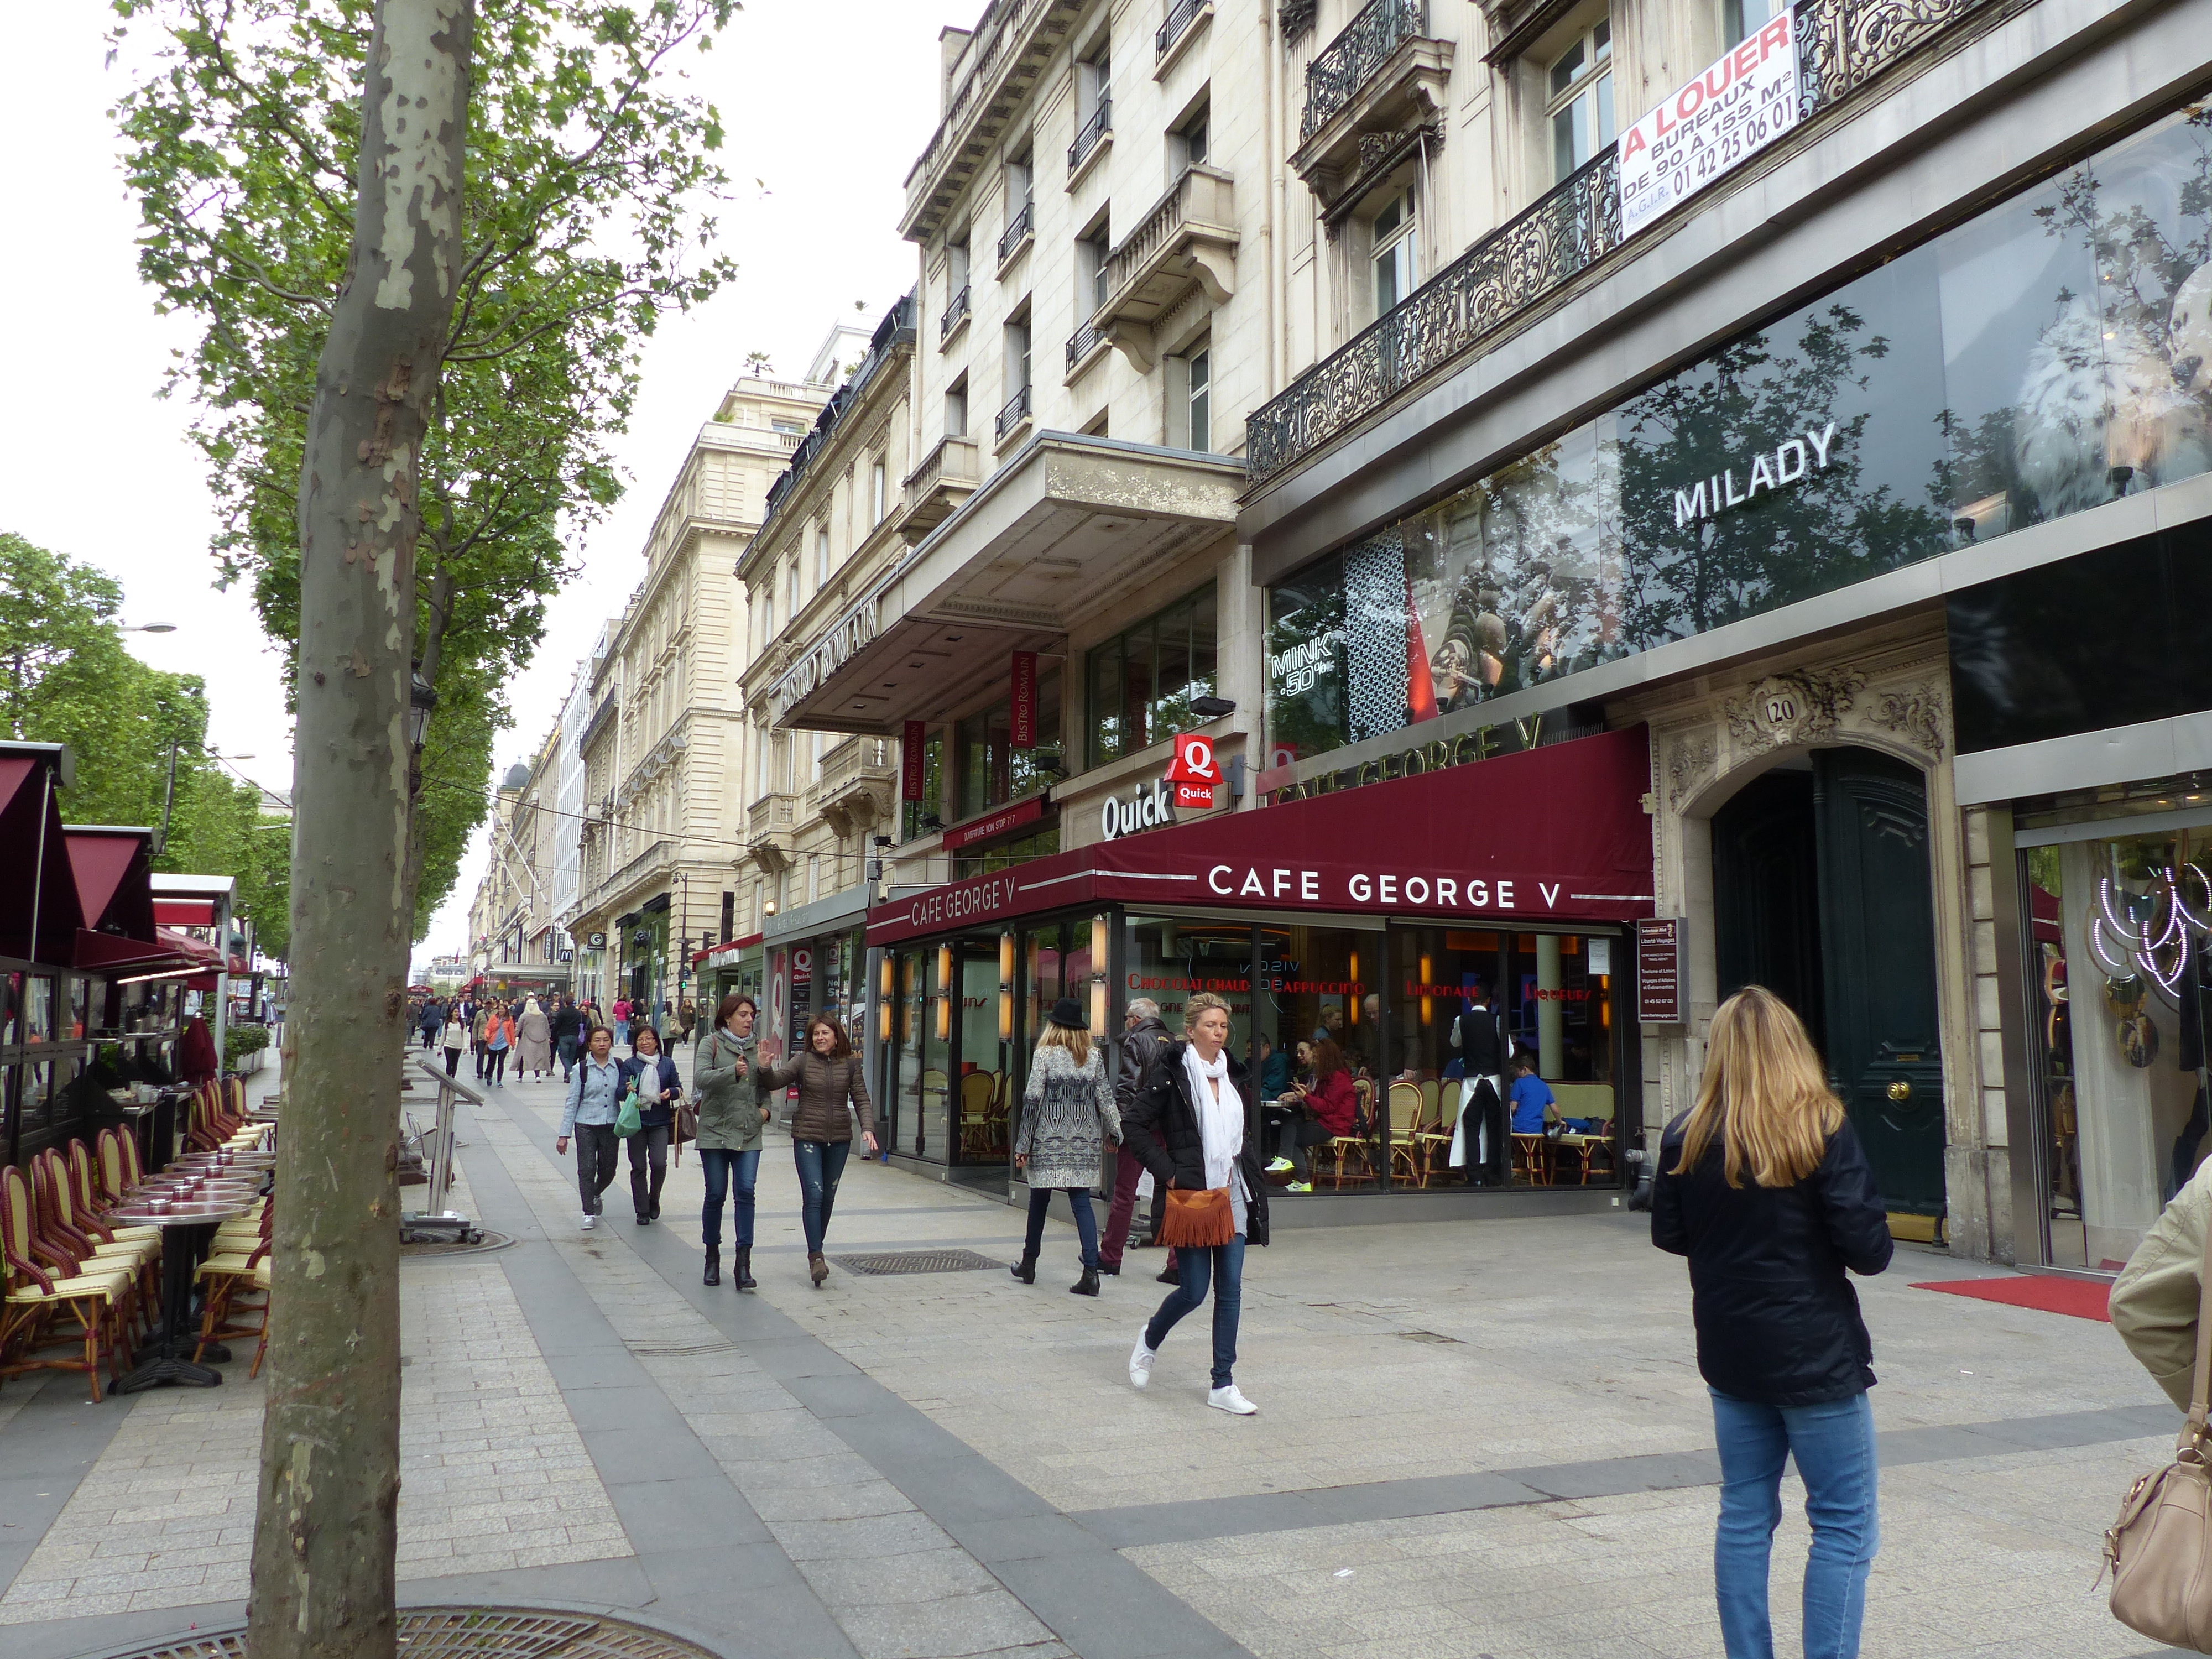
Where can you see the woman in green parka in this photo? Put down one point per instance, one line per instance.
(731, 1115)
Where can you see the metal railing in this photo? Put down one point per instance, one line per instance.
(1843, 45)
(1083, 343)
(1345, 64)
(955, 313)
(1018, 231)
(1088, 135)
(1016, 411)
(1180, 14)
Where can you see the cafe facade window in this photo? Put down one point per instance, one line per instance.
(990, 770)
(1924, 406)
(1139, 684)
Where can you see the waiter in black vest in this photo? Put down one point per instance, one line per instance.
(1478, 1143)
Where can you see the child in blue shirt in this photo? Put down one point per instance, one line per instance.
(1530, 1095)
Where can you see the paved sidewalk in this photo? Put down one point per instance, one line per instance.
(1474, 1439)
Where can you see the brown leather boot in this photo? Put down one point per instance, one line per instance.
(817, 1268)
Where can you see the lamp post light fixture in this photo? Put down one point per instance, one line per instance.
(145, 628)
(422, 698)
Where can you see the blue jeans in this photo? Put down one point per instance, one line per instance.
(1086, 1223)
(821, 1165)
(1224, 1265)
(567, 1058)
(621, 1032)
(725, 1171)
(1835, 1447)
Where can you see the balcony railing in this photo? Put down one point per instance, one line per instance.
(1180, 14)
(1082, 343)
(1088, 135)
(1843, 45)
(1016, 411)
(955, 314)
(1342, 67)
(1018, 230)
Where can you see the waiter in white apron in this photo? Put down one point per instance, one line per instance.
(1485, 1046)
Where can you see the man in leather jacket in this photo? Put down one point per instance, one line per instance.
(1143, 1037)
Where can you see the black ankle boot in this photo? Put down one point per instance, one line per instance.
(744, 1275)
(715, 1264)
(1026, 1269)
(1086, 1285)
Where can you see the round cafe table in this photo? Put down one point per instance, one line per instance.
(186, 1226)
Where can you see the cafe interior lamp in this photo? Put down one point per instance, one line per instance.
(1006, 988)
(1099, 941)
(888, 989)
(944, 994)
(1351, 1001)
(1428, 1002)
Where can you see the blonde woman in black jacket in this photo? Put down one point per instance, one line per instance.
(1764, 1186)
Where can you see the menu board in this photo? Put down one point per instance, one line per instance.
(1659, 990)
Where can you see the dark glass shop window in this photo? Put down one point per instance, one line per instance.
(1142, 681)
(992, 770)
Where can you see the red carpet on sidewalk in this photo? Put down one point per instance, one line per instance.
(2084, 1298)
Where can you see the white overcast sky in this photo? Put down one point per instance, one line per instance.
(827, 103)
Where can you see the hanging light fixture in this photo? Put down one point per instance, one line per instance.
(1351, 1002)
(944, 992)
(1006, 988)
(1099, 940)
(422, 698)
(888, 983)
(1428, 1002)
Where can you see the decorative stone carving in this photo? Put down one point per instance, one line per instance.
(1689, 761)
(1294, 17)
(1803, 707)
(1917, 715)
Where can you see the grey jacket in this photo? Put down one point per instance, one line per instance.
(1067, 1117)
(729, 1105)
(2154, 1302)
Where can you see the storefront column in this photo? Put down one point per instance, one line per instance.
(1550, 1056)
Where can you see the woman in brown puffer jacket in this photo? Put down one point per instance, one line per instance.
(833, 1103)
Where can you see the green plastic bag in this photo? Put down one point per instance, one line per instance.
(627, 1122)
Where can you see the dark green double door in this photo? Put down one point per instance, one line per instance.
(1822, 893)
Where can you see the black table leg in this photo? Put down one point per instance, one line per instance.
(181, 1256)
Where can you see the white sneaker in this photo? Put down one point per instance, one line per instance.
(1277, 1166)
(1228, 1400)
(590, 1222)
(1140, 1362)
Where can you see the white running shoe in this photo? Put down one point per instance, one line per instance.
(590, 1222)
(1277, 1166)
(1140, 1362)
(1228, 1400)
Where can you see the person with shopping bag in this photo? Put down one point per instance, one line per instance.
(596, 1101)
(1068, 1116)
(1764, 1186)
(1188, 1128)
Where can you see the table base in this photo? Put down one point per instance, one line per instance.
(155, 1372)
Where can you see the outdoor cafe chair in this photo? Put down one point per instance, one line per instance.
(45, 1283)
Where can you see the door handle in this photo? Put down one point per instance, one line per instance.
(1900, 1090)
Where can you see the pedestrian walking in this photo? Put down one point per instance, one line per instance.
(833, 1103)
(1765, 1187)
(567, 1027)
(621, 1020)
(1187, 1126)
(731, 1115)
(1143, 1037)
(533, 1041)
(653, 1081)
(1068, 1116)
(594, 1101)
(499, 1042)
(479, 1035)
(457, 1040)
(432, 1020)
(687, 1016)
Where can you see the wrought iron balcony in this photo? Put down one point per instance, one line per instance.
(1465, 307)
(1019, 228)
(1181, 13)
(1016, 411)
(1087, 135)
(1081, 344)
(955, 314)
(1342, 67)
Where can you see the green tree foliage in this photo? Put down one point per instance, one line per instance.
(583, 221)
(69, 680)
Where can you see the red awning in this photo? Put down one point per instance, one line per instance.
(185, 912)
(1557, 832)
(30, 824)
(698, 957)
(191, 949)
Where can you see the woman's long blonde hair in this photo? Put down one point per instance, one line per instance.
(1764, 1094)
(1076, 1041)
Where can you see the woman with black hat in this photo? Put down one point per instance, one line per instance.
(1068, 1116)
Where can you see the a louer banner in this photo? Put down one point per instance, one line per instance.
(1554, 832)
(1711, 124)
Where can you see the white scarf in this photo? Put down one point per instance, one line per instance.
(1220, 1117)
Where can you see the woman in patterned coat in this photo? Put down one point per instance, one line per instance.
(1068, 1116)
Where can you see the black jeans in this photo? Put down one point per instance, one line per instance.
(452, 1060)
(1298, 1133)
(595, 1164)
(494, 1064)
(649, 1152)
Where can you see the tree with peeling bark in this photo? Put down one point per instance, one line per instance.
(582, 222)
(326, 1535)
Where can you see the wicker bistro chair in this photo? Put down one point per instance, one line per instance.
(977, 1091)
(45, 1283)
(1435, 1139)
(1353, 1148)
(84, 1238)
(1407, 1115)
(236, 1268)
(89, 1212)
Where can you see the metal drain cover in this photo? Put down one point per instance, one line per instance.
(462, 1633)
(430, 1250)
(916, 1261)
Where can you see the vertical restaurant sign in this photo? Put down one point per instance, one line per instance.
(910, 761)
(1659, 991)
(1023, 719)
(1711, 124)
